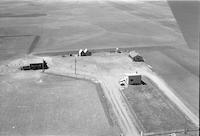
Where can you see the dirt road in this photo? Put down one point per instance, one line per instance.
(112, 91)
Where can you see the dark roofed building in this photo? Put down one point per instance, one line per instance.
(138, 58)
(35, 66)
(134, 79)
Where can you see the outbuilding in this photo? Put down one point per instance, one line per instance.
(81, 52)
(136, 57)
(84, 52)
(131, 79)
(35, 66)
(134, 80)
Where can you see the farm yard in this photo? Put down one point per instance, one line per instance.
(52, 103)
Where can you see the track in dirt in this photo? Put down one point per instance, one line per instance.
(33, 44)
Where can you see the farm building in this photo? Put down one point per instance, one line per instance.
(84, 52)
(35, 66)
(131, 79)
(80, 53)
(134, 79)
(136, 57)
(117, 50)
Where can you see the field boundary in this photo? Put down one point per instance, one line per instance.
(125, 49)
(170, 132)
(9, 15)
(4, 36)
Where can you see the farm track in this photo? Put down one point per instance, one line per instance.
(8, 15)
(4, 36)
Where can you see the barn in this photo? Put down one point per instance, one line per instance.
(84, 52)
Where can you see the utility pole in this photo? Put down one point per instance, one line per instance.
(185, 126)
(43, 66)
(75, 61)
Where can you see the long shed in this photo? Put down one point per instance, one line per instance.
(35, 66)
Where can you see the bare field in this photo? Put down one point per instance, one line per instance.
(155, 111)
(97, 24)
(187, 17)
(34, 104)
(13, 46)
(187, 58)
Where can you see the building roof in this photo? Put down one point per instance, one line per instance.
(132, 74)
(133, 54)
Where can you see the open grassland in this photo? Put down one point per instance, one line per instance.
(35, 104)
(154, 111)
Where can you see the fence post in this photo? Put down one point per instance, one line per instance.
(185, 126)
(141, 133)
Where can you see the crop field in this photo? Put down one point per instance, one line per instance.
(14, 46)
(35, 104)
(98, 24)
(155, 112)
(187, 17)
(180, 74)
